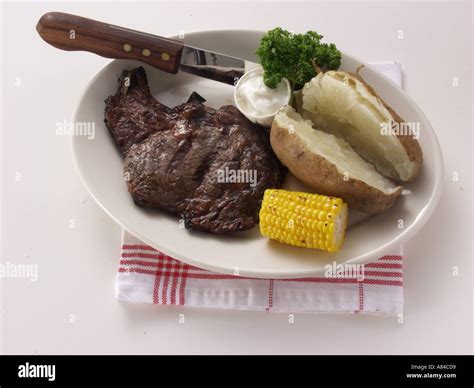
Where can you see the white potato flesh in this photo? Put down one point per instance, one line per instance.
(340, 104)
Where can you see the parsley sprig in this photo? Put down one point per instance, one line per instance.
(284, 54)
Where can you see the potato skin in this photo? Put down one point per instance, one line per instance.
(411, 145)
(323, 177)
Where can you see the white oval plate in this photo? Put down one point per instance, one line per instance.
(101, 169)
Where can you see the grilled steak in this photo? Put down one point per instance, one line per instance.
(210, 167)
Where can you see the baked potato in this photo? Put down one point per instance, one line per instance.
(342, 104)
(328, 164)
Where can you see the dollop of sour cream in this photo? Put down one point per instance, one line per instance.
(256, 99)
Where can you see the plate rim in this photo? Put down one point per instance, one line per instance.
(421, 218)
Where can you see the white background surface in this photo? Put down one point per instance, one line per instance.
(77, 266)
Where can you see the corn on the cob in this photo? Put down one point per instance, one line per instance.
(303, 219)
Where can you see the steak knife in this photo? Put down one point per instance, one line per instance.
(75, 33)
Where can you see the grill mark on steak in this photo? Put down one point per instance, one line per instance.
(173, 156)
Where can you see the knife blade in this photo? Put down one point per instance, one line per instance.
(212, 65)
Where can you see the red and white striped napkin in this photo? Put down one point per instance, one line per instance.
(146, 275)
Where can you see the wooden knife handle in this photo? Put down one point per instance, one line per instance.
(75, 33)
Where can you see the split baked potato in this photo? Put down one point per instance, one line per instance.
(328, 164)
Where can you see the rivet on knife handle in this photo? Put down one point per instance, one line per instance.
(75, 33)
